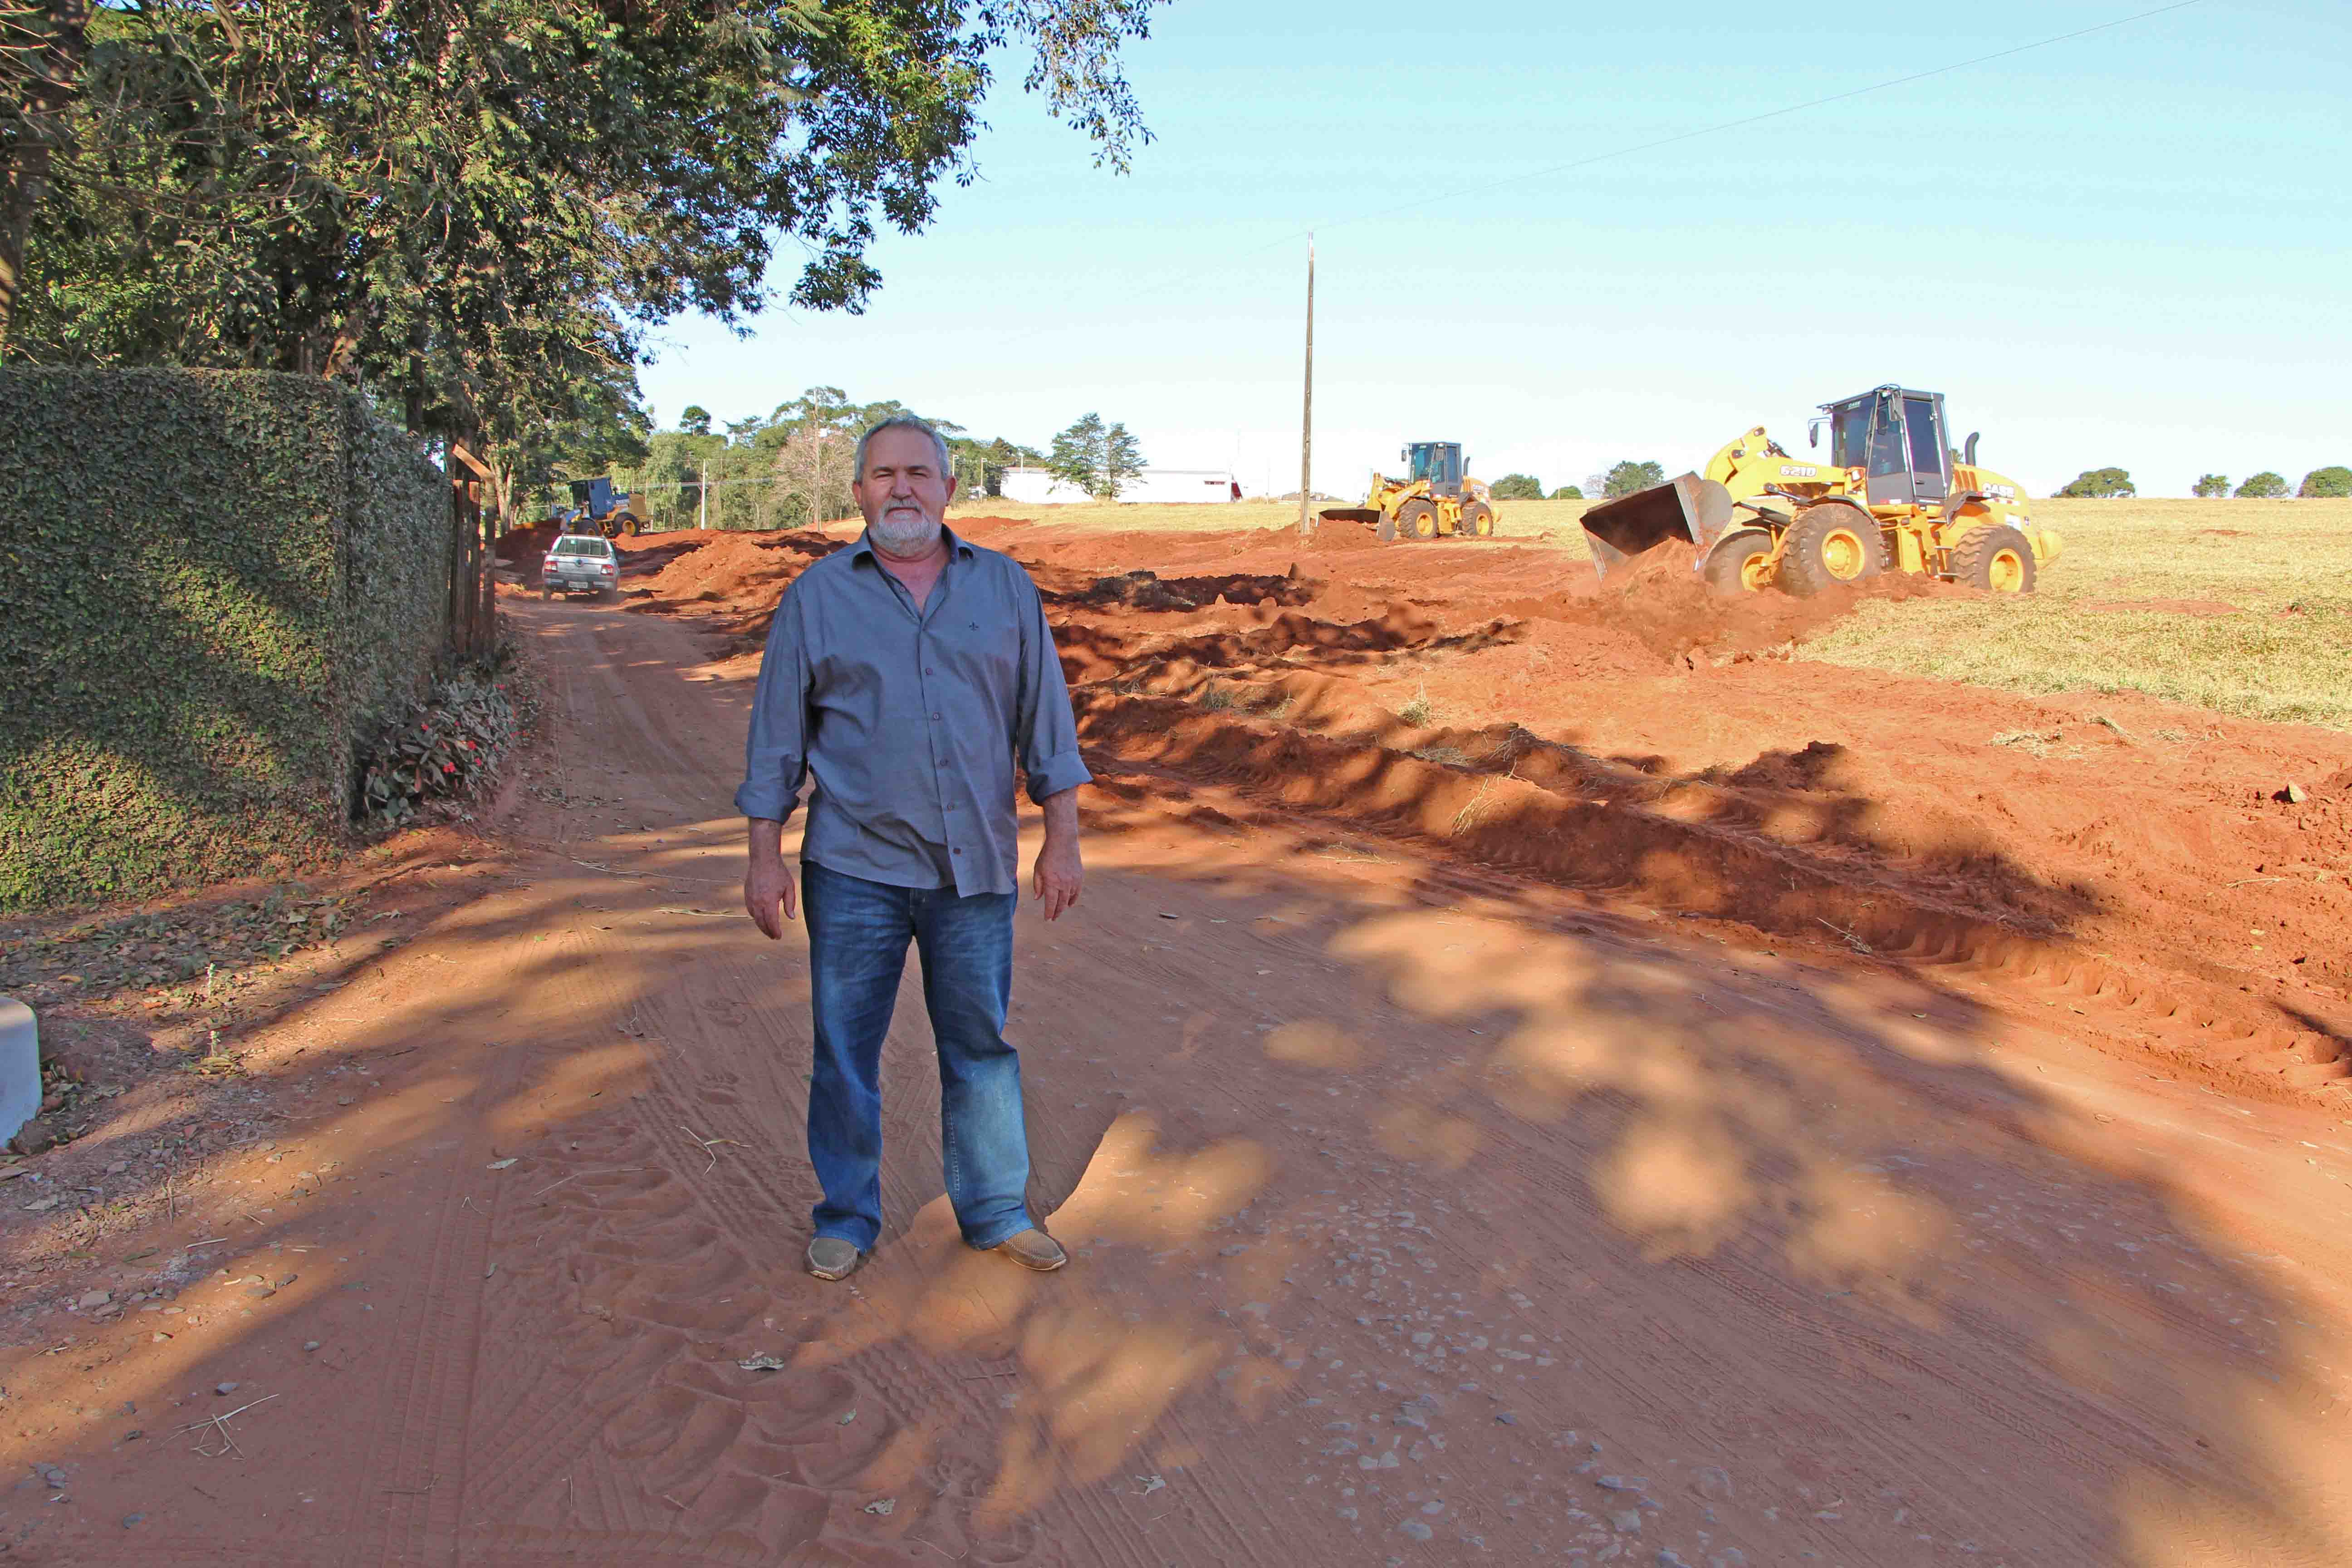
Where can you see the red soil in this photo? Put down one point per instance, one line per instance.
(1650, 1096)
(2133, 860)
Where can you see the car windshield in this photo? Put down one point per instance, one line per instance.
(577, 546)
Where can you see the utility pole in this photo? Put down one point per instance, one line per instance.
(702, 499)
(1307, 410)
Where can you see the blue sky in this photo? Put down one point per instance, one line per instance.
(2130, 248)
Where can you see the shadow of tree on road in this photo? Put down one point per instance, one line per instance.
(1394, 1183)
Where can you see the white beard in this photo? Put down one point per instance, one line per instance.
(905, 534)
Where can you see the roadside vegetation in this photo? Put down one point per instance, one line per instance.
(482, 214)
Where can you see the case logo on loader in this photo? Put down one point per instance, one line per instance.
(2001, 492)
(1799, 471)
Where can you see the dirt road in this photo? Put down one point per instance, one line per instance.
(1422, 1212)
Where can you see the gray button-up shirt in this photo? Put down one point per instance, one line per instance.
(911, 722)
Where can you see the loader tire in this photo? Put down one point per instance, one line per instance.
(1996, 558)
(1479, 520)
(1417, 519)
(1741, 562)
(1830, 546)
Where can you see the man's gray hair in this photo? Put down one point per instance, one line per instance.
(907, 422)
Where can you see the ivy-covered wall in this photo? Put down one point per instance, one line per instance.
(215, 583)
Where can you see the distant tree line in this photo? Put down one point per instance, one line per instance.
(788, 468)
(2100, 482)
(2335, 480)
(1526, 487)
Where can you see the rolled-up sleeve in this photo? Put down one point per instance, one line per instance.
(1045, 732)
(775, 756)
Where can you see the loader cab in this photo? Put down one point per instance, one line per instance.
(1439, 462)
(598, 496)
(1895, 437)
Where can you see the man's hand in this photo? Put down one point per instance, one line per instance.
(1060, 873)
(768, 895)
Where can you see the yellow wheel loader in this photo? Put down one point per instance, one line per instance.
(1436, 499)
(1893, 497)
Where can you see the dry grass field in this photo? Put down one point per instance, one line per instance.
(2242, 607)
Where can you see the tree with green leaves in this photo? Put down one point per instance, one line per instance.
(1096, 458)
(477, 211)
(1627, 477)
(1122, 461)
(980, 465)
(595, 439)
(1518, 486)
(1568, 492)
(2265, 486)
(789, 468)
(2211, 485)
(2105, 483)
(695, 420)
(2331, 482)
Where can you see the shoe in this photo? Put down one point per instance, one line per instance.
(1033, 1248)
(830, 1257)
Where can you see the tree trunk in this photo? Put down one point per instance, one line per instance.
(46, 73)
(465, 562)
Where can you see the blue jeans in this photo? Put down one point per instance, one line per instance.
(858, 932)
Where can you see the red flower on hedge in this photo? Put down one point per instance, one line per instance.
(448, 767)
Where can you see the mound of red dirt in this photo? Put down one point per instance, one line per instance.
(2145, 865)
(740, 571)
(2131, 852)
(1333, 534)
(525, 546)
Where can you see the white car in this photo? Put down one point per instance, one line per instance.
(580, 564)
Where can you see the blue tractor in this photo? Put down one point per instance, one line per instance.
(597, 508)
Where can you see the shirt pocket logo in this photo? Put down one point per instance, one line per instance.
(985, 655)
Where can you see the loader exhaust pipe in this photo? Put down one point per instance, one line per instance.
(1968, 453)
(1687, 507)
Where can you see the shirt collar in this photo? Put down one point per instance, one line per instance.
(957, 546)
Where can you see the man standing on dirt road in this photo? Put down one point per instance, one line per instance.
(906, 673)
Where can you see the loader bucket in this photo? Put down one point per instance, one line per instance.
(1687, 507)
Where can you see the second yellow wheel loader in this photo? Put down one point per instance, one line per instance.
(1435, 498)
(1893, 497)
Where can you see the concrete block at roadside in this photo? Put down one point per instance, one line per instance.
(20, 1067)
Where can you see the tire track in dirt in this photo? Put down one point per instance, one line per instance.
(420, 1451)
(746, 1463)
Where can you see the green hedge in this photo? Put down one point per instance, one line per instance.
(216, 583)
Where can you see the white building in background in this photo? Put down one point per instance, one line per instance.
(1038, 487)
